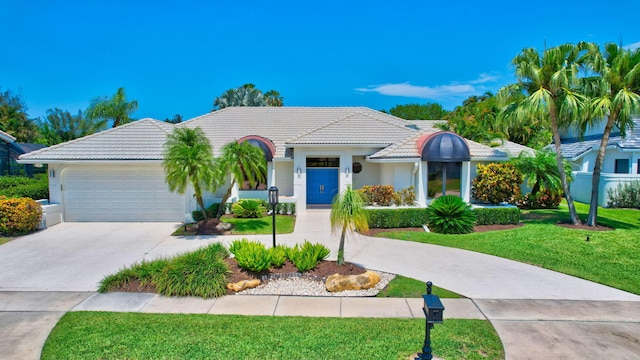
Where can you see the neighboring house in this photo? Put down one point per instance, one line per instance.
(10, 150)
(312, 153)
(621, 161)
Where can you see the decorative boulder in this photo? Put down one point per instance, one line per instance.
(223, 226)
(337, 282)
(244, 284)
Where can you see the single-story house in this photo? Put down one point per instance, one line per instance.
(10, 150)
(621, 162)
(312, 153)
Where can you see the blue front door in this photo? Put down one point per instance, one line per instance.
(322, 185)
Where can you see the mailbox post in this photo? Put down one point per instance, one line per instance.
(433, 312)
(273, 201)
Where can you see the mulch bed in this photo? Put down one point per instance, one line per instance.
(569, 225)
(322, 271)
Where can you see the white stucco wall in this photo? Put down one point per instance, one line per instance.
(284, 174)
(581, 185)
(369, 175)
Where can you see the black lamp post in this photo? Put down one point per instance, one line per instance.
(433, 311)
(273, 201)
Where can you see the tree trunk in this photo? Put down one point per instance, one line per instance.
(592, 220)
(573, 215)
(536, 188)
(341, 246)
(198, 191)
(226, 197)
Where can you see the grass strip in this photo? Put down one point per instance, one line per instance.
(101, 335)
(404, 287)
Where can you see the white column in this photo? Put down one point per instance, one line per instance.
(300, 180)
(465, 181)
(271, 174)
(421, 186)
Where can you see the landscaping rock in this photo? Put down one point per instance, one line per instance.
(241, 285)
(337, 283)
(223, 226)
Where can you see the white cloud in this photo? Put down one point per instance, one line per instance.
(635, 45)
(429, 92)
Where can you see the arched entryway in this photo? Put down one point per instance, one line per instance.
(444, 153)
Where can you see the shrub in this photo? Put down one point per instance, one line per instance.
(19, 216)
(449, 214)
(249, 208)
(396, 218)
(146, 272)
(285, 208)
(212, 211)
(279, 208)
(307, 256)
(544, 199)
(625, 195)
(20, 186)
(251, 255)
(278, 255)
(381, 195)
(292, 208)
(496, 183)
(408, 196)
(500, 215)
(199, 273)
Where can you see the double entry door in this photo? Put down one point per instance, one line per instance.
(322, 185)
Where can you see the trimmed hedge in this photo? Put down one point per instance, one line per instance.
(396, 218)
(416, 217)
(24, 187)
(497, 215)
(19, 216)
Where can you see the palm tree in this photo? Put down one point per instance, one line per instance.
(115, 108)
(188, 158)
(242, 161)
(347, 212)
(273, 98)
(245, 95)
(617, 98)
(549, 80)
(541, 170)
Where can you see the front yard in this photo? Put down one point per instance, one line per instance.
(607, 257)
(95, 335)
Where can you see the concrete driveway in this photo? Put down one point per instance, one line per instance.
(76, 256)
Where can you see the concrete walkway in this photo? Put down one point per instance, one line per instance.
(536, 312)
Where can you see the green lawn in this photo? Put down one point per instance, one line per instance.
(99, 335)
(404, 287)
(5, 240)
(609, 257)
(260, 226)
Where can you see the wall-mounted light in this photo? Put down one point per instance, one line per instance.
(298, 171)
(52, 173)
(346, 171)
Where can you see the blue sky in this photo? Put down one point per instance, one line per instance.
(176, 57)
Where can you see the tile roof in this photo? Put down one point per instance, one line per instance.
(138, 140)
(576, 147)
(286, 127)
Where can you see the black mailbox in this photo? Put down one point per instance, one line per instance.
(433, 307)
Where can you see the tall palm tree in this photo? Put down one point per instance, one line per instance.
(273, 98)
(188, 158)
(115, 108)
(242, 161)
(347, 213)
(61, 126)
(617, 98)
(549, 81)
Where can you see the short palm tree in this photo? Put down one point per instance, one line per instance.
(541, 171)
(245, 95)
(242, 161)
(549, 82)
(616, 98)
(115, 108)
(273, 98)
(348, 213)
(188, 158)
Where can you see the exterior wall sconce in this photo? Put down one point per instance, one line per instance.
(298, 171)
(346, 171)
(52, 173)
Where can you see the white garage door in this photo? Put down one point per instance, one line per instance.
(119, 194)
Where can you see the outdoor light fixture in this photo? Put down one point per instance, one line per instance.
(346, 171)
(273, 201)
(299, 171)
(52, 173)
(433, 312)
